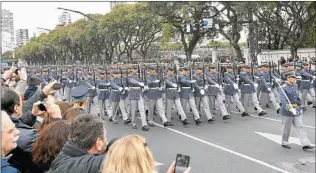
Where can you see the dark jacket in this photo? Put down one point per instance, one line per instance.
(22, 154)
(73, 159)
(6, 167)
(29, 92)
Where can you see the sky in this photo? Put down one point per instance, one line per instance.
(30, 15)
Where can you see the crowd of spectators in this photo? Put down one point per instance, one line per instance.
(63, 138)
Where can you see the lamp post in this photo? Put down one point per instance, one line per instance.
(78, 12)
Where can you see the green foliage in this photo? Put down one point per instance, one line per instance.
(168, 46)
(8, 55)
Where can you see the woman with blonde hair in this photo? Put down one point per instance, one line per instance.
(131, 154)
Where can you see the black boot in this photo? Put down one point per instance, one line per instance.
(226, 117)
(185, 122)
(211, 120)
(309, 103)
(198, 122)
(244, 114)
(278, 111)
(127, 121)
(262, 113)
(286, 146)
(307, 147)
(167, 124)
(145, 128)
(255, 108)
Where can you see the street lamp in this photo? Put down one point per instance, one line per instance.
(78, 12)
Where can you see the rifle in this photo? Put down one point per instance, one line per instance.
(204, 73)
(121, 71)
(191, 85)
(95, 84)
(270, 71)
(252, 71)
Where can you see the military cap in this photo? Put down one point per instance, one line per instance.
(246, 66)
(199, 67)
(45, 70)
(152, 67)
(229, 66)
(285, 65)
(134, 67)
(264, 65)
(290, 64)
(102, 73)
(80, 92)
(305, 64)
(186, 68)
(212, 66)
(90, 73)
(288, 74)
(116, 71)
(170, 68)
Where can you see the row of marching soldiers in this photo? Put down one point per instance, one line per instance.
(124, 90)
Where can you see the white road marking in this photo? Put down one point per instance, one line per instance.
(158, 164)
(225, 149)
(307, 126)
(278, 138)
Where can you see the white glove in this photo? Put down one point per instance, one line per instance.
(206, 87)
(174, 85)
(237, 78)
(278, 80)
(269, 89)
(193, 90)
(293, 111)
(70, 81)
(202, 91)
(160, 88)
(216, 85)
(235, 86)
(256, 85)
(157, 81)
(146, 88)
(314, 77)
(192, 81)
(120, 89)
(141, 84)
(126, 88)
(93, 87)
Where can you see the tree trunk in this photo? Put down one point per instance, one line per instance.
(294, 52)
(238, 51)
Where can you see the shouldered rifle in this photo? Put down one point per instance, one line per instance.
(270, 73)
(191, 85)
(95, 84)
(252, 71)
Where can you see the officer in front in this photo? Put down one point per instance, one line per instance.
(291, 112)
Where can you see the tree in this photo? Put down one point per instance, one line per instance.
(290, 19)
(186, 14)
(7, 55)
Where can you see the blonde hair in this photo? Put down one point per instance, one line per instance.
(129, 154)
(79, 103)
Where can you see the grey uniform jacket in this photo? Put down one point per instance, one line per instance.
(212, 79)
(306, 82)
(230, 80)
(186, 91)
(115, 94)
(199, 85)
(171, 92)
(266, 82)
(104, 89)
(135, 89)
(154, 92)
(247, 85)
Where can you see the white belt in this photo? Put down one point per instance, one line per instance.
(247, 84)
(135, 87)
(154, 88)
(103, 89)
(116, 90)
(185, 87)
(172, 88)
(306, 80)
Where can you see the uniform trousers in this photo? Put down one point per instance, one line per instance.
(67, 93)
(235, 97)
(276, 92)
(304, 95)
(89, 103)
(159, 108)
(178, 106)
(254, 99)
(203, 102)
(219, 99)
(192, 105)
(297, 122)
(104, 106)
(114, 108)
(140, 105)
(266, 97)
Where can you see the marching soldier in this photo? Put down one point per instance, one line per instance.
(214, 93)
(266, 88)
(136, 98)
(231, 91)
(291, 113)
(173, 97)
(306, 85)
(70, 83)
(103, 95)
(201, 95)
(90, 82)
(116, 99)
(186, 94)
(248, 90)
(154, 95)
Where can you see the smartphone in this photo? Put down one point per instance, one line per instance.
(57, 86)
(182, 163)
(42, 107)
(16, 71)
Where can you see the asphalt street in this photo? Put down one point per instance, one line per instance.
(241, 144)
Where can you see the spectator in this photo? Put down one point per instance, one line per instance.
(49, 143)
(9, 137)
(84, 153)
(283, 61)
(52, 114)
(34, 84)
(131, 154)
(11, 103)
(64, 106)
(72, 113)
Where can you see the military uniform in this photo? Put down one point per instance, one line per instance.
(173, 97)
(201, 97)
(291, 114)
(230, 90)
(215, 94)
(187, 96)
(103, 87)
(154, 95)
(306, 86)
(137, 100)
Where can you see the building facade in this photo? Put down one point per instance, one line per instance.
(22, 37)
(7, 27)
(64, 19)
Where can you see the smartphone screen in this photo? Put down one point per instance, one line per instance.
(182, 163)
